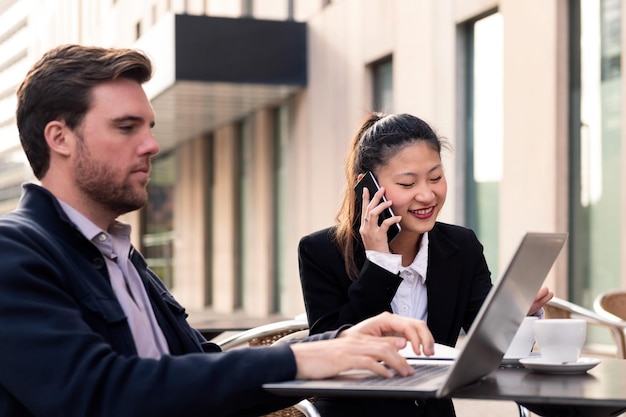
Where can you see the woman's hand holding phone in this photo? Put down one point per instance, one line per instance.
(378, 224)
(373, 235)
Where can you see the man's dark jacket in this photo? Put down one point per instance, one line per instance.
(66, 348)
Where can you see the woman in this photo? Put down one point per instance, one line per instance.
(431, 270)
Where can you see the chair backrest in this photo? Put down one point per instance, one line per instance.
(554, 310)
(268, 335)
(611, 304)
(264, 335)
(558, 308)
(292, 337)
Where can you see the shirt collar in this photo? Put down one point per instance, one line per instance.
(86, 226)
(93, 233)
(420, 263)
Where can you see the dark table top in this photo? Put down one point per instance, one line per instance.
(600, 391)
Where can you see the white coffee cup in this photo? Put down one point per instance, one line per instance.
(523, 341)
(560, 340)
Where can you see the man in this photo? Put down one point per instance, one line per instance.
(86, 329)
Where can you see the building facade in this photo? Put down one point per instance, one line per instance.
(257, 100)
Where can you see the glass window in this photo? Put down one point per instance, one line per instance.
(244, 205)
(483, 158)
(158, 237)
(247, 8)
(14, 170)
(281, 137)
(209, 203)
(382, 74)
(595, 143)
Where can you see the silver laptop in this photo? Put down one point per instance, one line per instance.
(493, 330)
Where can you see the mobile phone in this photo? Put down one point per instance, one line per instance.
(370, 182)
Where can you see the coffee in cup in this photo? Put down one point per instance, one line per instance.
(560, 340)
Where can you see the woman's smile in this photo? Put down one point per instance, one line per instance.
(424, 213)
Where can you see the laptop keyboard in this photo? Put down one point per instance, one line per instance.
(422, 373)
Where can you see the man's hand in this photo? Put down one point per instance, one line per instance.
(372, 344)
(404, 328)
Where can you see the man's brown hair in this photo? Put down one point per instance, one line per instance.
(59, 86)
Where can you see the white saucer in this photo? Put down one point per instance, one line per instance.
(543, 366)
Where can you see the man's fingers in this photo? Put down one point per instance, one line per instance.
(327, 358)
(381, 351)
(387, 324)
(415, 331)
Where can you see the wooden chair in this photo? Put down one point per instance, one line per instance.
(611, 305)
(559, 308)
(292, 337)
(263, 335)
(267, 335)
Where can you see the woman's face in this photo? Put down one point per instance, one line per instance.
(415, 183)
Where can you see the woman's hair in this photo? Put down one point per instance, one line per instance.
(59, 87)
(376, 141)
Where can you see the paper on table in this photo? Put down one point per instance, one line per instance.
(441, 352)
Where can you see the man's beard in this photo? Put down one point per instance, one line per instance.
(97, 181)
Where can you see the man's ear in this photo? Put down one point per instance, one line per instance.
(56, 133)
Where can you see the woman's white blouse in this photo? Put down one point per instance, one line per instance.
(410, 299)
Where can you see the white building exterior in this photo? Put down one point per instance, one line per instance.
(528, 93)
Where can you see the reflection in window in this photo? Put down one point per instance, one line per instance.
(158, 238)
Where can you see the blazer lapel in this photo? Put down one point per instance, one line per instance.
(442, 283)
